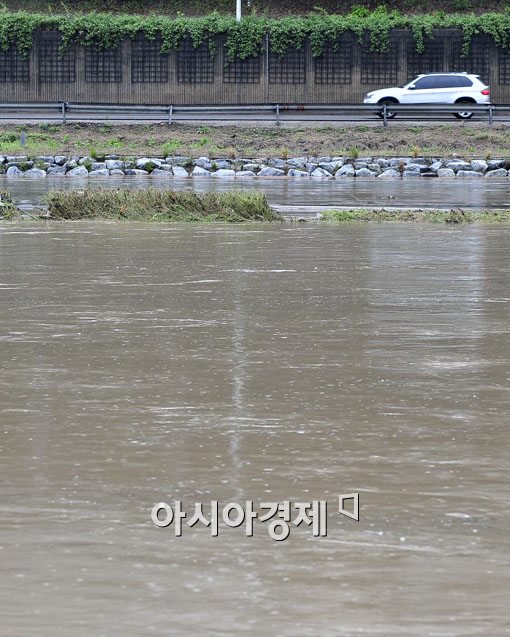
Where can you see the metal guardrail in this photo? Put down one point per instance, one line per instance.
(75, 112)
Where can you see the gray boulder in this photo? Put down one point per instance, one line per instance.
(203, 162)
(249, 173)
(143, 162)
(60, 160)
(14, 171)
(22, 165)
(494, 164)
(101, 172)
(198, 171)
(277, 163)
(79, 171)
(331, 166)
(158, 173)
(499, 172)
(446, 172)
(268, 171)
(295, 172)
(347, 170)
(397, 161)
(468, 174)
(179, 171)
(411, 171)
(435, 166)
(98, 165)
(17, 159)
(390, 173)
(297, 162)
(458, 165)
(135, 172)
(222, 164)
(114, 164)
(179, 160)
(253, 167)
(365, 172)
(320, 172)
(34, 173)
(421, 168)
(116, 172)
(224, 172)
(479, 165)
(56, 171)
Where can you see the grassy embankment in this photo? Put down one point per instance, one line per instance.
(227, 141)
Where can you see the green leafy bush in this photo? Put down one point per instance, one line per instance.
(244, 39)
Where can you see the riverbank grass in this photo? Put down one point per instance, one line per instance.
(159, 205)
(453, 216)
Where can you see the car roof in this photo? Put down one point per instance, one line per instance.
(448, 73)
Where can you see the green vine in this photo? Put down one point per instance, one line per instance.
(244, 39)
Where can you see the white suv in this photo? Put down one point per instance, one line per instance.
(434, 88)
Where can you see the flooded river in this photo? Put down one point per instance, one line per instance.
(295, 362)
(427, 193)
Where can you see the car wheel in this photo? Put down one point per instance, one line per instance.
(388, 102)
(463, 114)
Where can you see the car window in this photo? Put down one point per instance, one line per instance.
(425, 82)
(451, 81)
(463, 81)
(446, 81)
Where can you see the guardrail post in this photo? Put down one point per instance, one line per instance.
(278, 115)
(491, 114)
(63, 106)
(170, 113)
(385, 115)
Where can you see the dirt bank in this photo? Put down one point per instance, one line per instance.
(443, 140)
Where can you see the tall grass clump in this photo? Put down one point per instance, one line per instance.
(159, 205)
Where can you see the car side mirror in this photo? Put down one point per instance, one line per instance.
(411, 88)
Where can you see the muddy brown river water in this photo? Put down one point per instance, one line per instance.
(414, 192)
(148, 363)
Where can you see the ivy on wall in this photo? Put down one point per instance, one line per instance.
(245, 39)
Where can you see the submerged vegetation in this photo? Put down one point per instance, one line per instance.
(232, 207)
(456, 215)
(244, 39)
(159, 205)
(7, 209)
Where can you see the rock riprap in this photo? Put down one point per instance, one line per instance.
(269, 167)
